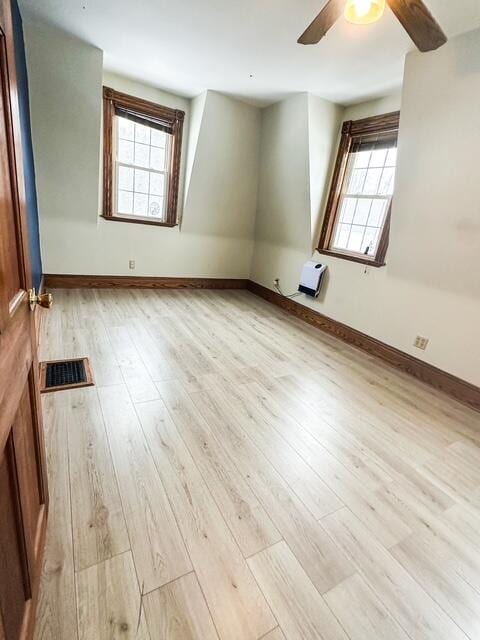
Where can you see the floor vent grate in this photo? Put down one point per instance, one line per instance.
(65, 374)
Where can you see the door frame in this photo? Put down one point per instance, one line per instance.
(15, 156)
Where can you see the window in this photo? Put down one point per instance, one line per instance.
(142, 146)
(357, 217)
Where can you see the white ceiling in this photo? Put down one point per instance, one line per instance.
(246, 48)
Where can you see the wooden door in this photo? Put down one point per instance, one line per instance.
(23, 488)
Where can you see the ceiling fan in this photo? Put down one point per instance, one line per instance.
(414, 16)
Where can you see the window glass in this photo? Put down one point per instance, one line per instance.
(141, 169)
(365, 198)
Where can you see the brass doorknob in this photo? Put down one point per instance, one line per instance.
(43, 299)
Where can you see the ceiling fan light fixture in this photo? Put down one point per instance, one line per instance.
(364, 11)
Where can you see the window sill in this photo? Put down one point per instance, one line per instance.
(139, 221)
(352, 258)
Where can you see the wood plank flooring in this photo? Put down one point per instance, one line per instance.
(236, 474)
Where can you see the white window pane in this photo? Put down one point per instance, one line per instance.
(362, 211)
(140, 204)
(142, 152)
(362, 159)
(125, 151)
(141, 181)
(341, 237)
(348, 209)
(370, 241)
(157, 184)
(391, 157)
(155, 207)
(126, 128)
(157, 158)
(378, 158)
(356, 181)
(372, 181)
(387, 182)
(142, 133)
(125, 178)
(159, 138)
(355, 239)
(377, 213)
(125, 202)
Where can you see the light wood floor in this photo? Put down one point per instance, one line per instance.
(236, 474)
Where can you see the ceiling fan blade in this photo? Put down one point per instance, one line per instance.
(419, 23)
(322, 23)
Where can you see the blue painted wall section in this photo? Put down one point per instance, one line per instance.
(28, 164)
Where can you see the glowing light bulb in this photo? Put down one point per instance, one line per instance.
(363, 7)
(364, 11)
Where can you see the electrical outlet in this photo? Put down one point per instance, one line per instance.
(131, 264)
(421, 343)
(276, 282)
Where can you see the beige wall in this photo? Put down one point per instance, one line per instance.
(431, 284)
(386, 104)
(65, 80)
(215, 238)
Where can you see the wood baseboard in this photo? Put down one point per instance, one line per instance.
(66, 281)
(454, 387)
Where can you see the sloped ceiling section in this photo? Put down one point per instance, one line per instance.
(298, 147)
(197, 110)
(324, 121)
(284, 192)
(221, 193)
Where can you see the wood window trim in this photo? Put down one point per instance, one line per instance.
(139, 220)
(170, 117)
(350, 130)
